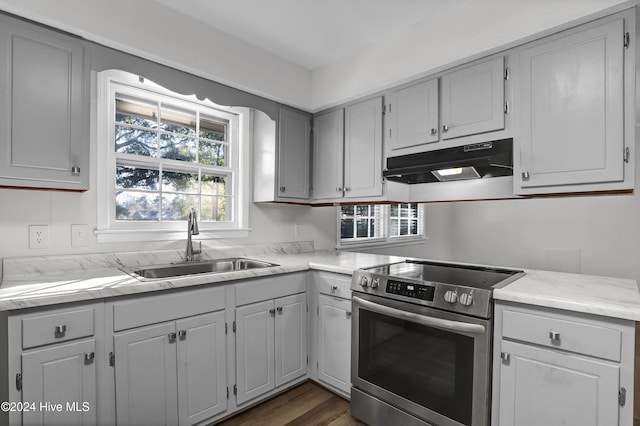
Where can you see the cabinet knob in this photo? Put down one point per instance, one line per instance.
(505, 356)
(182, 334)
(172, 337)
(445, 128)
(89, 357)
(348, 314)
(525, 175)
(272, 312)
(339, 189)
(347, 189)
(334, 288)
(434, 131)
(282, 189)
(279, 309)
(75, 171)
(554, 335)
(61, 329)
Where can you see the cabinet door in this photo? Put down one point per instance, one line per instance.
(63, 376)
(294, 132)
(328, 164)
(473, 99)
(291, 338)
(572, 110)
(254, 350)
(202, 368)
(145, 372)
(545, 387)
(334, 349)
(363, 149)
(44, 137)
(412, 119)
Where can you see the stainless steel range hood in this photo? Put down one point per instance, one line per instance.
(474, 161)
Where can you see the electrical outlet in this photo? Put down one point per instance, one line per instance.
(79, 235)
(38, 236)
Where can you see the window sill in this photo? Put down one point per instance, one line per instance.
(127, 235)
(391, 242)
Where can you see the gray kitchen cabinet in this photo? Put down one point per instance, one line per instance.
(334, 347)
(556, 367)
(44, 104)
(172, 373)
(294, 140)
(62, 376)
(473, 99)
(412, 118)
(348, 152)
(576, 110)
(271, 345)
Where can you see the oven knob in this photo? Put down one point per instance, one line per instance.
(364, 281)
(374, 283)
(450, 297)
(466, 299)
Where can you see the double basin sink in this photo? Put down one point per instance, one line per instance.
(199, 267)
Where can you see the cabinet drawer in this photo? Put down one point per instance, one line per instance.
(57, 327)
(583, 338)
(334, 285)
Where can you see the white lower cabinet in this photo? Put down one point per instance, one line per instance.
(271, 345)
(334, 354)
(559, 368)
(171, 373)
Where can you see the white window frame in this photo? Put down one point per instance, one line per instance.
(109, 229)
(384, 238)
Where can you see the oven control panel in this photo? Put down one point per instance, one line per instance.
(416, 291)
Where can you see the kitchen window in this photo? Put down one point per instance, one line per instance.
(380, 224)
(161, 154)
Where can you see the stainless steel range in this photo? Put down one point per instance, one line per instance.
(421, 348)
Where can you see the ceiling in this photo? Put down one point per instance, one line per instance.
(310, 33)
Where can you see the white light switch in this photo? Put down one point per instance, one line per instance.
(79, 235)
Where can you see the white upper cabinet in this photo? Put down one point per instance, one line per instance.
(347, 152)
(363, 149)
(411, 118)
(473, 99)
(328, 163)
(294, 133)
(574, 91)
(44, 120)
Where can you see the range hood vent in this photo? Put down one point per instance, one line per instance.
(474, 161)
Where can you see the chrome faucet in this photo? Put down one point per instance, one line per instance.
(192, 229)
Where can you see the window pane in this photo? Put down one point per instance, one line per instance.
(393, 227)
(394, 210)
(362, 228)
(362, 210)
(414, 210)
(404, 210)
(214, 154)
(347, 210)
(177, 120)
(179, 181)
(136, 178)
(414, 227)
(136, 206)
(214, 185)
(137, 112)
(212, 129)
(176, 147)
(176, 206)
(135, 141)
(404, 226)
(217, 209)
(346, 228)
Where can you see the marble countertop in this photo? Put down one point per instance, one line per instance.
(43, 281)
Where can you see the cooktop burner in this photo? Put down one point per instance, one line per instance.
(460, 275)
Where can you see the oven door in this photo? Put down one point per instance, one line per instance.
(432, 364)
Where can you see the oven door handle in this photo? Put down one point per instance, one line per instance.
(440, 323)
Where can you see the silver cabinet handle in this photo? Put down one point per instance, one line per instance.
(61, 329)
(89, 357)
(75, 171)
(525, 176)
(347, 189)
(172, 337)
(182, 334)
(279, 309)
(554, 335)
(339, 189)
(445, 128)
(434, 131)
(505, 356)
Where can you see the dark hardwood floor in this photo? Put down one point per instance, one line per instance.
(306, 404)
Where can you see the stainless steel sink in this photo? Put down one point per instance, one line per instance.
(193, 268)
